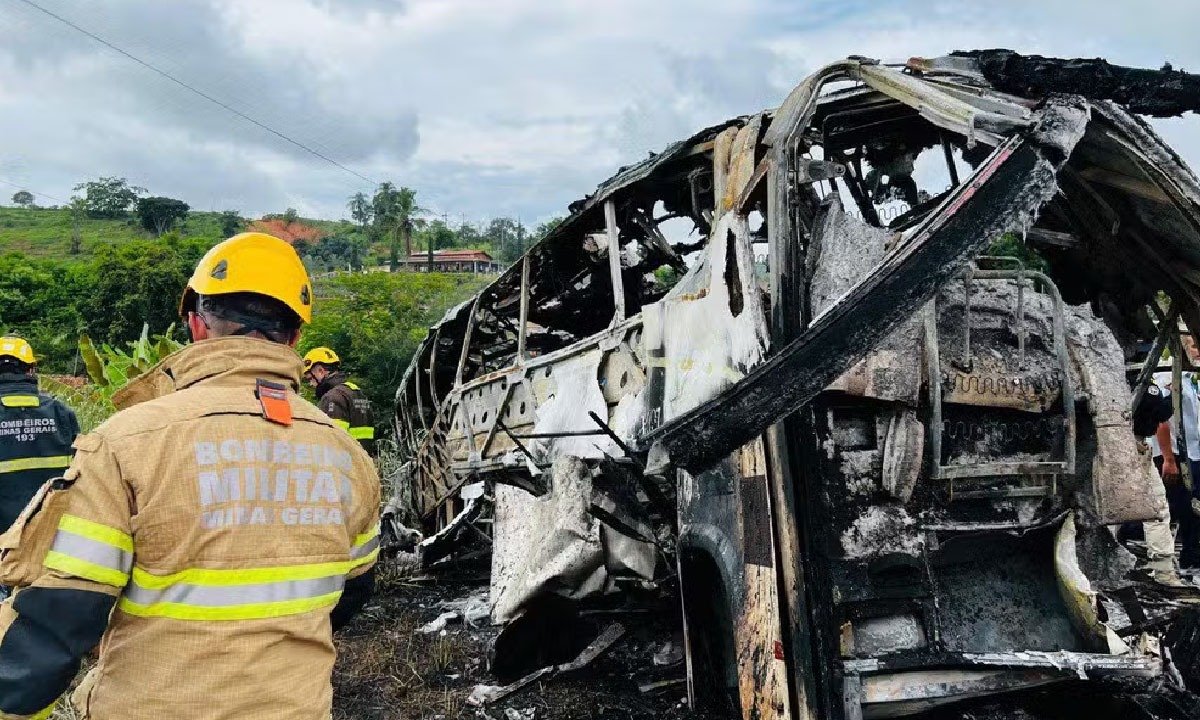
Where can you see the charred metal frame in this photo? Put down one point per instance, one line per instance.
(933, 368)
(743, 462)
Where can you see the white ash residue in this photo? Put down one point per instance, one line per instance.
(881, 530)
(847, 249)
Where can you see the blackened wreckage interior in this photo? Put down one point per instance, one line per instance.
(776, 359)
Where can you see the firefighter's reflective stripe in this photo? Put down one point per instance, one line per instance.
(243, 594)
(35, 463)
(366, 548)
(358, 433)
(351, 385)
(91, 551)
(20, 401)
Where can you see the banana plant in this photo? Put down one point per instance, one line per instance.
(111, 368)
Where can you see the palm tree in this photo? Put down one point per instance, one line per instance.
(395, 210)
(362, 213)
(360, 210)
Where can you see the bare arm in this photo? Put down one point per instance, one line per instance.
(1170, 468)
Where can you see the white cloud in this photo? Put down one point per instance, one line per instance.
(487, 107)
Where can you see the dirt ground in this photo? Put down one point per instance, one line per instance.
(387, 669)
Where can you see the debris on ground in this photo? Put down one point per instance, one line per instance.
(388, 671)
(671, 653)
(589, 654)
(474, 609)
(438, 624)
(662, 685)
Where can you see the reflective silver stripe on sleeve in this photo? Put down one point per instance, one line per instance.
(230, 595)
(362, 551)
(92, 551)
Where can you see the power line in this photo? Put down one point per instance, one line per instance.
(197, 91)
(25, 188)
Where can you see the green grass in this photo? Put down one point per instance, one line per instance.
(47, 233)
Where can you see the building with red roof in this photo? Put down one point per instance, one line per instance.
(452, 260)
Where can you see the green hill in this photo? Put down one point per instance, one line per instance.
(42, 232)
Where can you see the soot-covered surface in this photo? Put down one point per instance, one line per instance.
(388, 670)
(1128, 699)
(997, 602)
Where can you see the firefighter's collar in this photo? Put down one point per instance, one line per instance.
(236, 358)
(331, 381)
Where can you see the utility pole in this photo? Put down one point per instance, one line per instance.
(76, 238)
(76, 234)
(394, 259)
(431, 238)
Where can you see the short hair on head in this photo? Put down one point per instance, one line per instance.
(246, 312)
(13, 365)
(330, 368)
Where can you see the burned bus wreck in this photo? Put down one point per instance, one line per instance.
(778, 364)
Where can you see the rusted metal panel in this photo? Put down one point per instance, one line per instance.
(891, 373)
(737, 168)
(763, 678)
(988, 385)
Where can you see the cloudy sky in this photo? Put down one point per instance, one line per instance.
(486, 107)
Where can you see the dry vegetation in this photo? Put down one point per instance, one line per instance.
(386, 669)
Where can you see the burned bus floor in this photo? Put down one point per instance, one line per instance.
(856, 377)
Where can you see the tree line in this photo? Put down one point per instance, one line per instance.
(113, 198)
(110, 295)
(375, 319)
(357, 247)
(384, 227)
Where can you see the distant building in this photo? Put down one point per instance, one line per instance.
(456, 260)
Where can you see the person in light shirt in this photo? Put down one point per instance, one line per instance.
(1170, 451)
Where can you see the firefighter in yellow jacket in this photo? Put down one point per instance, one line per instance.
(210, 536)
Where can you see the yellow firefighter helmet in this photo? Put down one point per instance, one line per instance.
(18, 348)
(252, 262)
(321, 355)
